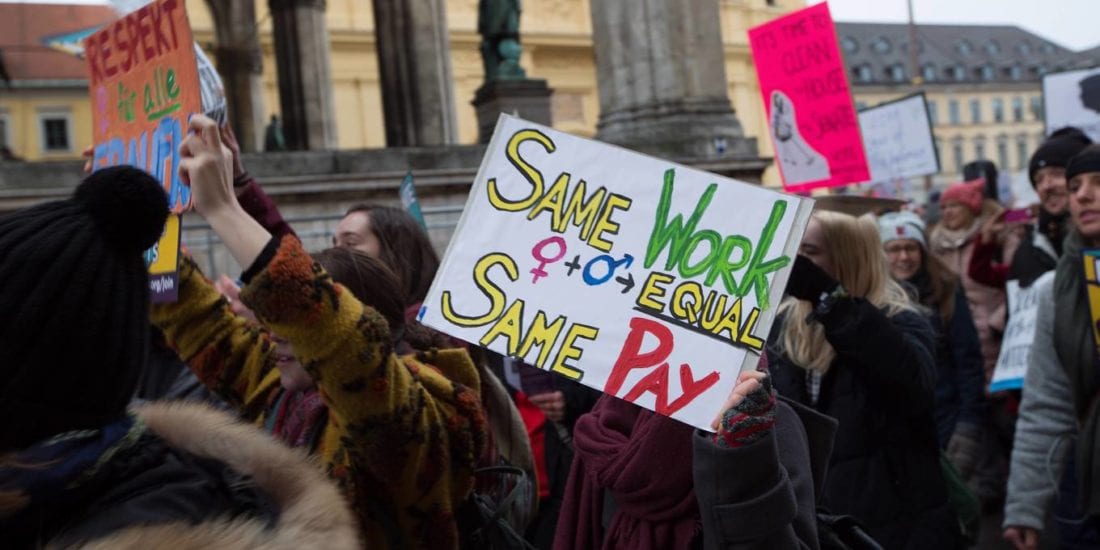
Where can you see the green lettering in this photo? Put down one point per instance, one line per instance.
(674, 231)
(759, 269)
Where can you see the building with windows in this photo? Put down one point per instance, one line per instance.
(44, 108)
(982, 84)
(48, 107)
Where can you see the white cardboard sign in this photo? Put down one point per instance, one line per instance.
(645, 279)
(1023, 304)
(1072, 98)
(898, 139)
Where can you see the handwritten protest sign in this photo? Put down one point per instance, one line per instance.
(650, 281)
(897, 137)
(144, 84)
(1019, 334)
(811, 118)
(1091, 260)
(1072, 98)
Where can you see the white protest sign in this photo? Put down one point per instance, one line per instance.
(1019, 334)
(645, 279)
(1072, 98)
(898, 139)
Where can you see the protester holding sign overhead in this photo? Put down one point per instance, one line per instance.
(401, 436)
(1058, 431)
(852, 345)
(960, 395)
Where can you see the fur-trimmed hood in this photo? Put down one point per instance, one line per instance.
(312, 513)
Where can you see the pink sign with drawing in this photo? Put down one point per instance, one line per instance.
(811, 118)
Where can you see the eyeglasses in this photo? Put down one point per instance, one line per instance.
(897, 249)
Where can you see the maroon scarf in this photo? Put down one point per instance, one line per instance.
(644, 460)
(299, 418)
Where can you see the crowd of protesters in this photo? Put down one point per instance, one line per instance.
(303, 405)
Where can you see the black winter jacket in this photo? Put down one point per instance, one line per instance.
(885, 468)
(960, 391)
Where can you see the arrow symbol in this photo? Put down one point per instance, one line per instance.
(627, 282)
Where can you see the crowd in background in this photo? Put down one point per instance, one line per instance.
(303, 405)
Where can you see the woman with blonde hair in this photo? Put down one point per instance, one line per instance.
(850, 343)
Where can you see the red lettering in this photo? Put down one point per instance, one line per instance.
(170, 7)
(91, 51)
(691, 388)
(160, 39)
(655, 382)
(133, 32)
(121, 45)
(144, 31)
(105, 54)
(630, 357)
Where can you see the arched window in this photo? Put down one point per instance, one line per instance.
(850, 45)
(863, 73)
(992, 47)
(929, 73)
(964, 47)
(881, 45)
(896, 72)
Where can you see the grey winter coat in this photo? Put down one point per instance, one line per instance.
(1046, 426)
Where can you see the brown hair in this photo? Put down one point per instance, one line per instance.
(405, 248)
(944, 284)
(369, 280)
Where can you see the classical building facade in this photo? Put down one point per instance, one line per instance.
(982, 84)
(240, 36)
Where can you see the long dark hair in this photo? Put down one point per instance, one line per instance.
(944, 284)
(405, 248)
(369, 280)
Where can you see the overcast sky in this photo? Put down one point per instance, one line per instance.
(1071, 23)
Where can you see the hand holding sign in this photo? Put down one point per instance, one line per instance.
(206, 166)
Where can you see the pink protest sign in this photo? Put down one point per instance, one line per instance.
(811, 117)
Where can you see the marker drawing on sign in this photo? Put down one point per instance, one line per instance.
(801, 163)
(657, 283)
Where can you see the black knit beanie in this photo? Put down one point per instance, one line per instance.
(74, 294)
(1056, 150)
(1088, 160)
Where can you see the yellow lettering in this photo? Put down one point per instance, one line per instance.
(553, 201)
(712, 312)
(510, 325)
(731, 322)
(493, 292)
(542, 335)
(652, 291)
(746, 334)
(584, 213)
(530, 173)
(569, 350)
(690, 311)
(606, 225)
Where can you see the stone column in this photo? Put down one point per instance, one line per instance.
(240, 64)
(305, 73)
(414, 64)
(662, 79)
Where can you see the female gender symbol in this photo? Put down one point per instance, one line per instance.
(537, 252)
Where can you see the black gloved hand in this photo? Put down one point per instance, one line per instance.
(808, 282)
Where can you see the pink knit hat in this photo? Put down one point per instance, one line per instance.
(967, 193)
